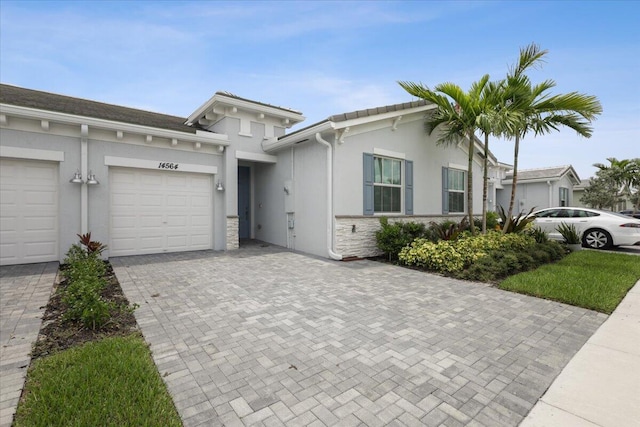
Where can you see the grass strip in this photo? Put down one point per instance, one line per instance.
(112, 382)
(589, 279)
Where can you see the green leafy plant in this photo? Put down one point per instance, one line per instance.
(391, 238)
(449, 230)
(82, 292)
(538, 234)
(569, 233)
(518, 223)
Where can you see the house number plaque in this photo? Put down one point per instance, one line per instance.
(164, 165)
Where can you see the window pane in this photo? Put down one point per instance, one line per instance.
(395, 199)
(397, 172)
(456, 180)
(377, 199)
(377, 170)
(386, 171)
(456, 202)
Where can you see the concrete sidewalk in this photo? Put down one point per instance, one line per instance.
(600, 386)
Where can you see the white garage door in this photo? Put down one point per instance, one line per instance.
(28, 211)
(159, 211)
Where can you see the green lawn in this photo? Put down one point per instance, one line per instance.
(112, 382)
(589, 279)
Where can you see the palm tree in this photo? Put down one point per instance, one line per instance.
(625, 173)
(456, 116)
(489, 122)
(533, 109)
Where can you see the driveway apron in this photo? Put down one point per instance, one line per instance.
(24, 292)
(263, 336)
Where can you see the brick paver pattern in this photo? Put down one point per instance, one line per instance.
(24, 291)
(262, 336)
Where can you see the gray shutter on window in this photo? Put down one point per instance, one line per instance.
(445, 190)
(408, 187)
(367, 195)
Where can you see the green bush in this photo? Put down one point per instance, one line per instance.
(391, 238)
(485, 258)
(448, 230)
(82, 294)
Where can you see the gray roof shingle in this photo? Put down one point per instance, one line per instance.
(18, 96)
(541, 173)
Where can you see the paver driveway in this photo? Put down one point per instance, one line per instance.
(24, 291)
(269, 337)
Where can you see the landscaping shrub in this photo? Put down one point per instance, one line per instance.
(485, 258)
(391, 238)
(84, 272)
(492, 221)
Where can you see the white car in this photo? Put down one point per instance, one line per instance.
(599, 229)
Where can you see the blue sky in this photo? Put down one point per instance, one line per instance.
(324, 58)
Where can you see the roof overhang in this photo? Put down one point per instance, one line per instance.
(200, 136)
(340, 127)
(220, 105)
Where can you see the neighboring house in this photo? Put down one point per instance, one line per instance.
(539, 188)
(578, 192)
(624, 202)
(145, 182)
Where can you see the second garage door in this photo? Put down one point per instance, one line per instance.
(159, 211)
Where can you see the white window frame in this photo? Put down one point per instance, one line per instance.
(564, 190)
(382, 185)
(451, 190)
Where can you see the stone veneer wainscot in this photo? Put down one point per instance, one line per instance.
(233, 237)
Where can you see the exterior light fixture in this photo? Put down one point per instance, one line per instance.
(91, 179)
(219, 186)
(77, 178)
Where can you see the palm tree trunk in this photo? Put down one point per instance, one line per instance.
(485, 184)
(514, 183)
(472, 227)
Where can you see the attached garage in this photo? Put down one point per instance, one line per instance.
(156, 211)
(28, 211)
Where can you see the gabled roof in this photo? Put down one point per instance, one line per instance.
(584, 183)
(220, 103)
(375, 111)
(549, 173)
(337, 120)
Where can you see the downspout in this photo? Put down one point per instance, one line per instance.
(550, 193)
(330, 217)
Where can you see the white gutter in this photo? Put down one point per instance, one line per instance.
(330, 217)
(550, 193)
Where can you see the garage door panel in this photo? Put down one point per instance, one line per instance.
(40, 223)
(39, 198)
(29, 209)
(151, 200)
(163, 218)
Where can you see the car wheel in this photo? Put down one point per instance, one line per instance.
(597, 239)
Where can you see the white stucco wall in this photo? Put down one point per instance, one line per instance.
(410, 139)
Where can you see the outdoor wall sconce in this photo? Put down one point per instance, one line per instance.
(91, 179)
(219, 186)
(77, 178)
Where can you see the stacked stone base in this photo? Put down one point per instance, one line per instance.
(356, 235)
(233, 235)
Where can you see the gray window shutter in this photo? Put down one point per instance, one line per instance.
(408, 187)
(445, 190)
(367, 195)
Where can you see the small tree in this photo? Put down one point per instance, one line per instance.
(602, 191)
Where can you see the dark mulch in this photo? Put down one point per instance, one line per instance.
(58, 334)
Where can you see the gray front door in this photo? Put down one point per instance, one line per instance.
(244, 202)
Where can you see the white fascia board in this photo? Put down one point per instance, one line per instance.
(382, 116)
(273, 145)
(530, 181)
(222, 100)
(57, 117)
(256, 157)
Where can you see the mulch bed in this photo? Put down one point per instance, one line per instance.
(57, 334)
